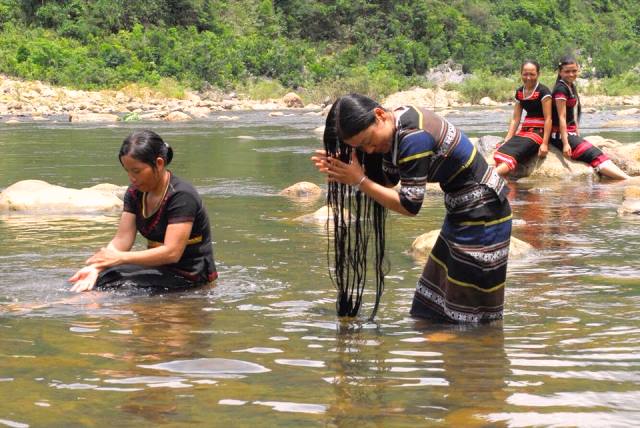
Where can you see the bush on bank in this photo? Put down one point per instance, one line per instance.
(316, 47)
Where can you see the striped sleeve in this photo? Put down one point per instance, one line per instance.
(415, 152)
(544, 92)
(561, 92)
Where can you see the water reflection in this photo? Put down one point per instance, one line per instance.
(567, 351)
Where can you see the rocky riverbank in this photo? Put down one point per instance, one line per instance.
(35, 100)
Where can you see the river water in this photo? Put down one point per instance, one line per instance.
(264, 347)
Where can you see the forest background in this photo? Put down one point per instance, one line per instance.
(263, 48)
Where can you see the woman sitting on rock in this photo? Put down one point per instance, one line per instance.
(168, 212)
(533, 136)
(368, 149)
(566, 115)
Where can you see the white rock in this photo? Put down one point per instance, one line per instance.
(41, 197)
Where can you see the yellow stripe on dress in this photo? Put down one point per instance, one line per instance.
(465, 166)
(416, 156)
(461, 283)
(486, 223)
(155, 244)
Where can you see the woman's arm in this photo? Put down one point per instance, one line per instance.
(515, 121)
(561, 106)
(126, 233)
(546, 112)
(175, 241)
(352, 174)
(85, 278)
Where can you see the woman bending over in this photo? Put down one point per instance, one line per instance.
(368, 149)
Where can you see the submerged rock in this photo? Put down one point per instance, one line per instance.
(40, 197)
(630, 202)
(320, 216)
(423, 244)
(303, 189)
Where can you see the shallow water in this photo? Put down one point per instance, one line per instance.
(264, 348)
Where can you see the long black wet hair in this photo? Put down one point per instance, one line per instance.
(568, 60)
(146, 146)
(355, 216)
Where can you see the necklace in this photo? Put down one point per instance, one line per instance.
(156, 205)
(524, 91)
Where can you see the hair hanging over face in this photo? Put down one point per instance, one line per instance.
(355, 216)
(146, 146)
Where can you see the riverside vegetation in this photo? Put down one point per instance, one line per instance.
(318, 48)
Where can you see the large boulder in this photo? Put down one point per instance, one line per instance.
(423, 244)
(40, 197)
(630, 202)
(303, 189)
(553, 165)
(109, 188)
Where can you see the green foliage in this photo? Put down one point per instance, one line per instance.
(349, 45)
(484, 84)
(262, 89)
(625, 84)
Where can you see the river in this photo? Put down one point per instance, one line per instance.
(264, 347)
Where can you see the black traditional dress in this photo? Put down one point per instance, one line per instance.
(526, 142)
(180, 204)
(464, 277)
(581, 149)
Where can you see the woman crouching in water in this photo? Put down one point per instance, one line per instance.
(168, 212)
(368, 149)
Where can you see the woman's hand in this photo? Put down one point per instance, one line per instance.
(543, 150)
(347, 173)
(106, 257)
(566, 151)
(84, 279)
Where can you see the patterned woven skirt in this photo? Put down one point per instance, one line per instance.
(464, 278)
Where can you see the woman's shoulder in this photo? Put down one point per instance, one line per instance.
(132, 192)
(544, 89)
(561, 86)
(180, 186)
